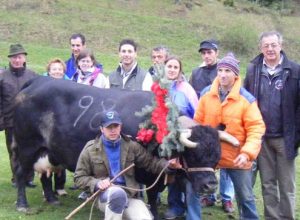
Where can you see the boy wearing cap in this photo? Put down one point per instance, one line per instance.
(201, 77)
(226, 102)
(11, 82)
(103, 158)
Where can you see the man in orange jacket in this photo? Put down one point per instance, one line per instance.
(226, 103)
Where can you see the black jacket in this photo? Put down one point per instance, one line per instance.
(290, 99)
(11, 82)
(203, 76)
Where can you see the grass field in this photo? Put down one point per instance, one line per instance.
(40, 210)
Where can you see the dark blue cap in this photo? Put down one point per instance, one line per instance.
(208, 44)
(110, 117)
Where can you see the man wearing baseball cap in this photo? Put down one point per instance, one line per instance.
(11, 81)
(203, 75)
(103, 158)
(236, 109)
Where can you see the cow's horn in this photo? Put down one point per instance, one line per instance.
(184, 135)
(224, 136)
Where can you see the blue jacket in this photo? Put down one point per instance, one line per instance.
(182, 102)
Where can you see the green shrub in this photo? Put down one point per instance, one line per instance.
(229, 3)
(240, 38)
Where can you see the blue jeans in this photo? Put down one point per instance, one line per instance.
(175, 198)
(176, 201)
(226, 188)
(242, 182)
(193, 206)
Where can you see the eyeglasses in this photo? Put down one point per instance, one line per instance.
(273, 46)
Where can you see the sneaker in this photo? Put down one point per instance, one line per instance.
(84, 195)
(170, 214)
(227, 206)
(206, 202)
(30, 184)
(61, 192)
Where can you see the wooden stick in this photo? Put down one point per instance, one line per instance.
(97, 192)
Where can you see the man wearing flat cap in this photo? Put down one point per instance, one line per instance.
(11, 82)
(103, 158)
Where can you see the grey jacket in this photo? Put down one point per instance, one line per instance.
(134, 82)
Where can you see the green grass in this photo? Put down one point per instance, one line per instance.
(41, 210)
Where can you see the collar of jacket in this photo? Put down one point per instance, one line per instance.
(234, 92)
(17, 71)
(134, 71)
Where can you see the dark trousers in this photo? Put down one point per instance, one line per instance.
(12, 159)
(60, 180)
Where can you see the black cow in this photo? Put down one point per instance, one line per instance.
(57, 117)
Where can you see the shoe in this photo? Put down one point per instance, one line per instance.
(30, 184)
(206, 202)
(170, 214)
(61, 192)
(74, 187)
(227, 206)
(84, 195)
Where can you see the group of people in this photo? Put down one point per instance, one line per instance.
(263, 113)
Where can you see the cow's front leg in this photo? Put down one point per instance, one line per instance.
(22, 204)
(48, 191)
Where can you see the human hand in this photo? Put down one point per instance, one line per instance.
(104, 184)
(241, 160)
(174, 163)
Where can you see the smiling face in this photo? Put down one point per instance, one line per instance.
(127, 55)
(85, 63)
(271, 47)
(76, 46)
(56, 70)
(172, 69)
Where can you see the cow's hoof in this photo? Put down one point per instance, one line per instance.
(54, 202)
(22, 209)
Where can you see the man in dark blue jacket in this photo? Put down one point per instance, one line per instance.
(274, 80)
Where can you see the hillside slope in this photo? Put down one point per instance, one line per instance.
(44, 28)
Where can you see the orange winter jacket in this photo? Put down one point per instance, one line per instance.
(240, 114)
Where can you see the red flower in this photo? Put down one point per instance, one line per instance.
(158, 117)
(145, 135)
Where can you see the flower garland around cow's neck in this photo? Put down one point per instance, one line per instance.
(161, 125)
